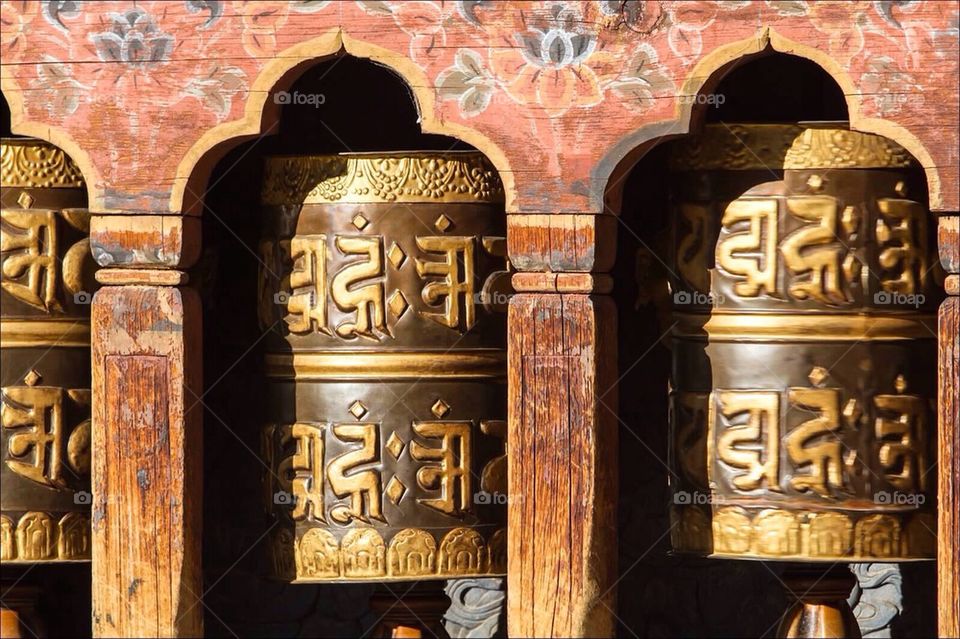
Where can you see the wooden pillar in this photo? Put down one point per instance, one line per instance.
(147, 458)
(562, 428)
(948, 556)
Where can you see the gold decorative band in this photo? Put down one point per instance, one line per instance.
(791, 327)
(44, 537)
(33, 163)
(24, 333)
(741, 147)
(463, 177)
(779, 534)
(413, 553)
(372, 365)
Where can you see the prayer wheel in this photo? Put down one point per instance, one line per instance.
(45, 288)
(803, 394)
(382, 287)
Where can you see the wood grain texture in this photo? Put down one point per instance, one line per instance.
(952, 284)
(146, 476)
(145, 241)
(948, 556)
(600, 283)
(561, 242)
(948, 239)
(142, 276)
(563, 466)
(948, 533)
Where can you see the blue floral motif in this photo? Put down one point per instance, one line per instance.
(133, 40)
(215, 8)
(54, 12)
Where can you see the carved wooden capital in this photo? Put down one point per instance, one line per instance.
(948, 235)
(600, 283)
(144, 241)
(555, 242)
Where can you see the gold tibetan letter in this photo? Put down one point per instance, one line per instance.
(28, 240)
(308, 468)
(308, 282)
(694, 247)
(38, 411)
(900, 430)
(763, 422)
(367, 300)
(903, 245)
(760, 270)
(455, 250)
(452, 467)
(362, 487)
(815, 249)
(825, 456)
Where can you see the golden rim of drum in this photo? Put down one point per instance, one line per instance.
(58, 332)
(828, 145)
(403, 176)
(397, 365)
(792, 327)
(773, 534)
(31, 163)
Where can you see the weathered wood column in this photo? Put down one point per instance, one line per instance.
(562, 427)
(948, 533)
(146, 473)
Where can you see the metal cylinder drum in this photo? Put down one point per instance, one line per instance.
(803, 386)
(46, 285)
(382, 291)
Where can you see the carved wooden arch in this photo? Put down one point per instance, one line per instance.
(60, 138)
(260, 113)
(616, 164)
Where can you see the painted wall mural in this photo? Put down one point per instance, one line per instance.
(555, 91)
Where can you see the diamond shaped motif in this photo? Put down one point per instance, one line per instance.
(32, 378)
(852, 412)
(396, 255)
(394, 445)
(900, 383)
(442, 223)
(817, 375)
(397, 304)
(357, 409)
(359, 221)
(395, 490)
(850, 219)
(815, 182)
(901, 188)
(440, 408)
(25, 200)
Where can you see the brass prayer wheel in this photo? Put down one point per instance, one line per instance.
(46, 285)
(804, 347)
(381, 282)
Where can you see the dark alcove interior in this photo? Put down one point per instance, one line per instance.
(365, 107)
(661, 594)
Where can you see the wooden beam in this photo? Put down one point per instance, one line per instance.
(562, 553)
(147, 466)
(948, 533)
